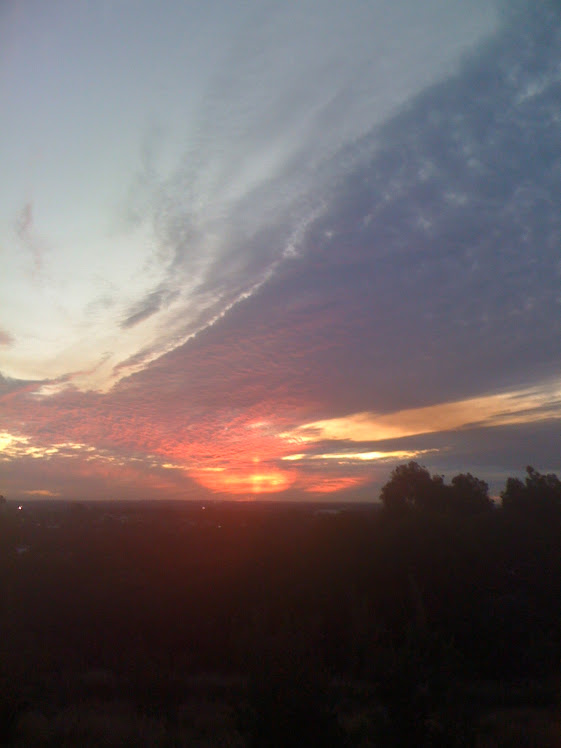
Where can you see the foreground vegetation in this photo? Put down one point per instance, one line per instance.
(434, 620)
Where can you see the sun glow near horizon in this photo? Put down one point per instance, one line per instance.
(326, 462)
(245, 479)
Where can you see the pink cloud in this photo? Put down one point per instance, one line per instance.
(6, 338)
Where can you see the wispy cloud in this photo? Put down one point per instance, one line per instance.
(146, 308)
(324, 286)
(518, 407)
(5, 337)
(27, 233)
(346, 458)
(236, 153)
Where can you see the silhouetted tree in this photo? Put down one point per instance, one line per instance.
(412, 487)
(514, 494)
(538, 492)
(469, 495)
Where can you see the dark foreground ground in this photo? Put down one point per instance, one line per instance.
(163, 624)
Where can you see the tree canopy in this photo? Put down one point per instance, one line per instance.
(411, 486)
(537, 493)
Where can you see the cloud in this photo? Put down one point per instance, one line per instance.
(420, 281)
(518, 407)
(24, 221)
(346, 458)
(77, 478)
(26, 231)
(406, 307)
(145, 308)
(6, 338)
(432, 272)
(261, 141)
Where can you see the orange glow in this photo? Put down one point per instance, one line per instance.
(507, 408)
(43, 492)
(346, 457)
(330, 485)
(245, 480)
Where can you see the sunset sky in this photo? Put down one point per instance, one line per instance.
(273, 249)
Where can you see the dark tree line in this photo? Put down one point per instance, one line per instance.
(412, 487)
(363, 627)
(538, 493)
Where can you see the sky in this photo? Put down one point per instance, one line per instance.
(271, 250)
